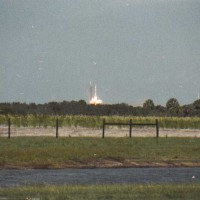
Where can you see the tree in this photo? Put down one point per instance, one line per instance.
(149, 104)
(173, 106)
(187, 110)
(82, 102)
(196, 104)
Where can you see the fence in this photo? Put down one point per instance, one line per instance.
(11, 130)
(130, 124)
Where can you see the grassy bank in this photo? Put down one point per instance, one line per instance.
(40, 152)
(96, 121)
(174, 191)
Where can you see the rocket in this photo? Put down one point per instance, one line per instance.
(93, 99)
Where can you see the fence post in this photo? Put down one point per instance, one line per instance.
(130, 130)
(57, 128)
(9, 128)
(157, 129)
(103, 134)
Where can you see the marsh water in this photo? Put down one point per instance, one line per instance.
(10, 178)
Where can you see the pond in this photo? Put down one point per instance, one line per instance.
(11, 178)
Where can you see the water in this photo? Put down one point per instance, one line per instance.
(10, 178)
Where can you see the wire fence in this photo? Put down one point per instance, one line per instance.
(107, 129)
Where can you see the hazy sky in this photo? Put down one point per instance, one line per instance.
(132, 49)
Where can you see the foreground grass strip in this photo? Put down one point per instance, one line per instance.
(40, 152)
(173, 191)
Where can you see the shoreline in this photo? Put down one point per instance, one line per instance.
(105, 163)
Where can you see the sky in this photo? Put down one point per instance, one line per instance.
(133, 50)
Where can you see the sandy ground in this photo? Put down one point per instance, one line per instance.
(88, 132)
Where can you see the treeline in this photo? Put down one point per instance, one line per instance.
(172, 108)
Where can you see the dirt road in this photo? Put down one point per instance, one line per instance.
(89, 132)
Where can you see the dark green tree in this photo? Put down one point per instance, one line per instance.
(149, 104)
(196, 104)
(173, 106)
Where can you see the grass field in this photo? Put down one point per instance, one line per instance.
(47, 152)
(96, 121)
(141, 192)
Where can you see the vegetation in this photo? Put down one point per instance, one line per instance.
(148, 191)
(172, 108)
(40, 152)
(149, 104)
(96, 121)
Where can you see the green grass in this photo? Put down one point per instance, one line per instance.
(96, 121)
(55, 153)
(141, 192)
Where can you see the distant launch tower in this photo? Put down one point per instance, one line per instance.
(93, 99)
(91, 92)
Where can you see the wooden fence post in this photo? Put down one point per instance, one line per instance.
(57, 128)
(130, 130)
(103, 134)
(9, 128)
(157, 129)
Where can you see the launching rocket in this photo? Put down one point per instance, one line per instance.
(93, 99)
